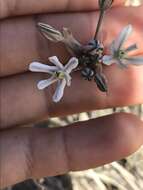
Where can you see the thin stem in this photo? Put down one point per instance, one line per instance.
(99, 23)
(103, 5)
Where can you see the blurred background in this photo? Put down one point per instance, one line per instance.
(125, 174)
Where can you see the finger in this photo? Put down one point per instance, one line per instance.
(83, 145)
(22, 102)
(21, 43)
(26, 7)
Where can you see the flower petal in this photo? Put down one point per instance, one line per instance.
(112, 47)
(122, 64)
(56, 62)
(72, 64)
(59, 90)
(39, 67)
(122, 37)
(131, 48)
(68, 79)
(136, 60)
(45, 83)
(108, 60)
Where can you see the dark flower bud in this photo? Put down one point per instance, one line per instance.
(101, 82)
(87, 73)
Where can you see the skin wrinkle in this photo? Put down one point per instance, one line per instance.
(67, 4)
(50, 145)
(64, 137)
(20, 146)
(29, 156)
(9, 8)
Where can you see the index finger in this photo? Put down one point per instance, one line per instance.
(78, 147)
(26, 7)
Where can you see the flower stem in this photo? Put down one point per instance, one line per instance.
(99, 23)
(103, 6)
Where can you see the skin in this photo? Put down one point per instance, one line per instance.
(79, 146)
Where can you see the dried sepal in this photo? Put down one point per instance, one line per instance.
(71, 43)
(66, 37)
(50, 33)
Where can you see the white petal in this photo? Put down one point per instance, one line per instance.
(122, 64)
(56, 62)
(45, 83)
(136, 60)
(131, 48)
(68, 79)
(112, 47)
(39, 67)
(72, 64)
(108, 60)
(124, 34)
(59, 90)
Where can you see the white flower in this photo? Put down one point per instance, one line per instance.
(59, 73)
(119, 54)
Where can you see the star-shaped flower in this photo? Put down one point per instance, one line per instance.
(59, 73)
(119, 54)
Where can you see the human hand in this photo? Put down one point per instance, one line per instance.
(34, 153)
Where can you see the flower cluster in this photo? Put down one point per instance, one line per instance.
(86, 58)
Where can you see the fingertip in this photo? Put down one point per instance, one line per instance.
(130, 132)
(103, 140)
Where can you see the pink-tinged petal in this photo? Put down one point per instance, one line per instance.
(108, 60)
(136, 60)
(56, 62)
(45, 83)
(131, 48)
(72, 64)
(39, 67)
(59, 90)
(122, 37)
